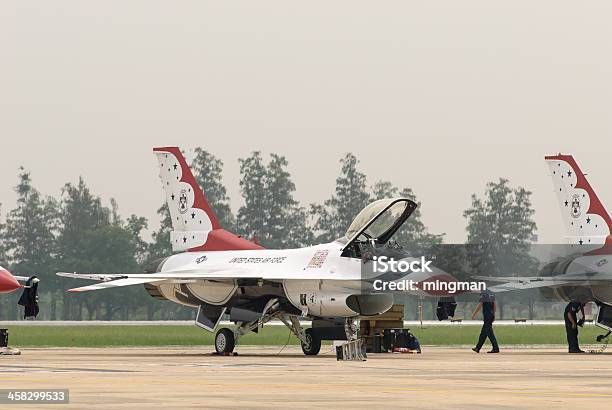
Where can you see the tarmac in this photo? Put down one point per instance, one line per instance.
(266, 377)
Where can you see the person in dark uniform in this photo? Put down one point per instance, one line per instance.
(487, 305)
(571, 325)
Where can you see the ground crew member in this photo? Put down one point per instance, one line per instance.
(487, 305)
(571, 325)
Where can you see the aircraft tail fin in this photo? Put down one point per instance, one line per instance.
(586, 220)
(194, 224)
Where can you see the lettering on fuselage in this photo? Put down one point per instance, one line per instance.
(276, 259)
(307, 297)
(318, 259)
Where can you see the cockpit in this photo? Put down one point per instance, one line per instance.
(376, 224)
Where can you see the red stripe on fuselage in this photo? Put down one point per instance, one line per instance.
(222, 240)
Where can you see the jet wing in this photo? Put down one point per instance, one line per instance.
(114, 284)
(524, 285)
(109, 280)
(510, 283)
(113, 280)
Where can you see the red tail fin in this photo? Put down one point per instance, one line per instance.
(586, 219)
(195, 225)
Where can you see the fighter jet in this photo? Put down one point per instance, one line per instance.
(582, 269)
(221, 273)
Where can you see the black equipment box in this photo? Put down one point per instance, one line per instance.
(399, 338)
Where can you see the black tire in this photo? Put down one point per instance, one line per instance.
(225, 341)
(313, 347)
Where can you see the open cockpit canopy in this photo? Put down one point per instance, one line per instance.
(378, 221)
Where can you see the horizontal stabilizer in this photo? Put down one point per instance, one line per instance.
(509, 283)
(510, 286)
(93, 276)
(114, 284)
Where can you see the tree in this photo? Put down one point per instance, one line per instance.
(207, 170)
(413, 235)
(286, 225)
(29, 233)
(134, 226)
(30, 229)
(500, 229)
(501, 222)
(3, 253)
(270, 213)
(336, 214)
(252, 216)
(94, 238)
(384, 189)
(7, 305)
(161, 245)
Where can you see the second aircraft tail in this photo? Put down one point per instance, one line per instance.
(586, 220)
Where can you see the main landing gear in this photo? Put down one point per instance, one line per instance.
(225, 341)
(310, 341)
(312, 345)
(310, 338)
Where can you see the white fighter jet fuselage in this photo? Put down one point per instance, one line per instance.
(220, 273)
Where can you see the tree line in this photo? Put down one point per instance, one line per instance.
(78, 232)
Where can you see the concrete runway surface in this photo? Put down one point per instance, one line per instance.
(177, 377)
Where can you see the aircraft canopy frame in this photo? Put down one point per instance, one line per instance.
(379, 220)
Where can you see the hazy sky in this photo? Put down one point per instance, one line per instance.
(440, 96)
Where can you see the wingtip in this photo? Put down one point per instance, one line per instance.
(75, 290)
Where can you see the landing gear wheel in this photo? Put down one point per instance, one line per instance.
(312, 346)
(225, 341)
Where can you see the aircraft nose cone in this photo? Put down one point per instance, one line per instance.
(7, 282)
